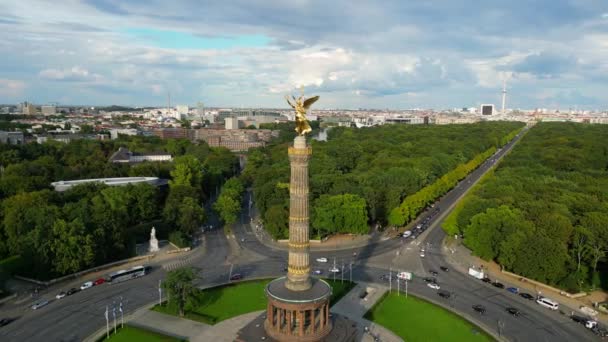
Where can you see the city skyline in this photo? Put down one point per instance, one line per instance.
(442, 55)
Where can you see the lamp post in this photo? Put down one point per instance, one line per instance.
(107, 323)
(122, 321)
(390, 280)
(160, 293)
(398, 287)
(405, 288)
(114, 315)
(351, 272)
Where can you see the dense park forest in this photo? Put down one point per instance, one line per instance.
(359, 176)
(543, 213)
(56, 233)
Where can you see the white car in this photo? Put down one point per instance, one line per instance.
(39, 304)
(433, 286)
(321, 259)
(86, 285)
(60, 295)
(334, 270)
(422, 254)
(317, 272)
(407, 234)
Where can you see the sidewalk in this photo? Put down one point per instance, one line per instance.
(461, 258)
(354, 308)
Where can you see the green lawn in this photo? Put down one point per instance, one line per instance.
(133, 334)
(220, 303)
(414, 319)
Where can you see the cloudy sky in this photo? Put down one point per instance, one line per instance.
(355, 54)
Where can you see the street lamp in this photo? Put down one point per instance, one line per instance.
(160, 293)
(107, 323)
(114, 315)
(122, 321)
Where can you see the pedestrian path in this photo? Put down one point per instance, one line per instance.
(167, 324)
(354, 308)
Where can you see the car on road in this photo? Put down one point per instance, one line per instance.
(407, 234)
(39, 304)
(321, 259)
(61, 295)
(479, 308)
(444, 294)
(548, 303)
(419, 226)
(444, 269)
(99, 281)
(430, 279)
(513, 311)
(334, 270)
(317, 272)
(513, 290)
(433, 273)
(434, 286)
(72, 291)
(498, 285)
(526, 296)
(5, 321)
(486, 280)
(236, 276)
(86, 285)
(422, 254)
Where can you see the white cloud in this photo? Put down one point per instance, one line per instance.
(76, 73)
(11, 88)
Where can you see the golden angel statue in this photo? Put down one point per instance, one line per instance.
(301, 106)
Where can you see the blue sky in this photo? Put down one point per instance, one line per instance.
(361, 54)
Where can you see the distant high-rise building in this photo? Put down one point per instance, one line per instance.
(182, 109)
(48, 110)
(487, 109)
(200, 110)
(28, 108)
(232, 123)
(504, 95)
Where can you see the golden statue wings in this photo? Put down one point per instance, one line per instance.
(301, 105)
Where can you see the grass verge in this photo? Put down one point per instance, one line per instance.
(133, 334)
(415, 319)
(220, 303)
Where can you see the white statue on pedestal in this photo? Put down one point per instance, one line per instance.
(153, 241)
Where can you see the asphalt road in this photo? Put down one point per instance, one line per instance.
(75, 317)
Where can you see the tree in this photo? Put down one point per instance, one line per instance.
(191, 216)
(276, 221)
(595, 222)
(187, 170)
(581, 247)
(180, 285)
(177, 194)
(227, 207)
(73, 249)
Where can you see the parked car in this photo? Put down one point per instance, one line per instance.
(39, 304)
(479, 308)
(526, 296)
(99, 281)
(434, 286)
(236, 276)
(72, 291)
(422, 254)
(407, 233)
(317, 272)
(86, 285)
(486, 280)
(498, 285)
(433, 273)
(430, 280)
(513, 311)
(60, 295)
(444, 269)
(513, 290)
(321, 259)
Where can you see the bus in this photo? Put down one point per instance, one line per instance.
(122, 275)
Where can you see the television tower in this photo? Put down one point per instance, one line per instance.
(504, 94)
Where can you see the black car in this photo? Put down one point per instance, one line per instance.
(526, 296)
(430, 279)
(444, 294)
(479, 308)
(486, 280)
(433, 273)
(236, 276)
(5, 321)
(72, 291)
(499, 285)
(513, 311)
(444, 269)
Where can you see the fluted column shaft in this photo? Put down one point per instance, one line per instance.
(298, 273)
